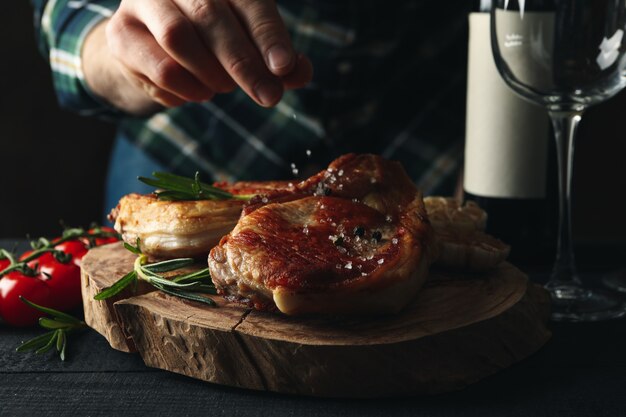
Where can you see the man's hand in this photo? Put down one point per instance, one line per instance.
(174, 51)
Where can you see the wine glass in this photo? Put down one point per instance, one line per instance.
(564, 55)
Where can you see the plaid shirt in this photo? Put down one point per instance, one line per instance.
(388, 80)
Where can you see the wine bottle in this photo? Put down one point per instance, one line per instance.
(507, 149)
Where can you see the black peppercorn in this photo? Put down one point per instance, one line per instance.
(359, 231)
(327, 191)
(339, 241)
(377, 235)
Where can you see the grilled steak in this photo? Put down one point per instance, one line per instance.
(171, 229)
(352, 239)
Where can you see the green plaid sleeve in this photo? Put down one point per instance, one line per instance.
(61, 27)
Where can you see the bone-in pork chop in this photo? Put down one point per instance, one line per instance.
(352, 239)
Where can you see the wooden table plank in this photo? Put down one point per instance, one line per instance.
(523, 392)
(580, 372)
(87, 351)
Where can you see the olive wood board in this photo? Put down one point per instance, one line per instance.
(459, 329)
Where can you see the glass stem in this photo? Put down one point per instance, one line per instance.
(565, 127)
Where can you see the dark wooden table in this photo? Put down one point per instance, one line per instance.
(580, 372)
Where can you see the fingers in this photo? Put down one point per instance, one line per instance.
(223, 34)
(301, 75)
(136, 49)
(262, 22)
(157, 94)
(176, 35)
(187, 50)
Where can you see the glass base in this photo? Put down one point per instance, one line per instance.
(616, 281)
(575, 304)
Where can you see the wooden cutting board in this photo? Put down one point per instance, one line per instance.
(460, 329)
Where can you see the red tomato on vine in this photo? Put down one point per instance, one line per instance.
(75, 248)
(12, 310)
(63, 279)
(99, 241)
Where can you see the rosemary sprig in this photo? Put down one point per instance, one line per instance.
(59, 325)
(186, 286)
(43, 245)
(171, 187)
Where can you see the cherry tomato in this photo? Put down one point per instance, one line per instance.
(4, 263)
(14, 311)
(63, 279)
(75, 248)
(101, 240)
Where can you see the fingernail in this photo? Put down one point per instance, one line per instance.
(268, 92)
(278, 57)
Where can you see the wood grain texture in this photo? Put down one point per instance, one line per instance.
(100, 268)
(458, 330)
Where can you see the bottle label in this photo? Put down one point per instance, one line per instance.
(526, 43)
(507, 138)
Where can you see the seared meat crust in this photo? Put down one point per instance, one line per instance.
(172, 229)
(351, 239)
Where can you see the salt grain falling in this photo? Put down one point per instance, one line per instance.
(381, 261)
(394, 241)
(294, 170)
(388, 219)
(308, 152)
(348, 265)
(264, 200)
(363, 274)
(340, 173)
(305, 230)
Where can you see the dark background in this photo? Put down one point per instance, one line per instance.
(53, 163)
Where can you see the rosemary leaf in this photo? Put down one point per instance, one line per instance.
(114, 289)
(61, 342)
(202, 274)
(171, 284)
(62, 352)
(190, 183)
(54, 313)
(132, 248)
(188, 295)
(166, 185)
(50, 343)
(173, 187)
(35, 342)
(51, 324)
(170, 265)
(147, 274)
(208, 289)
